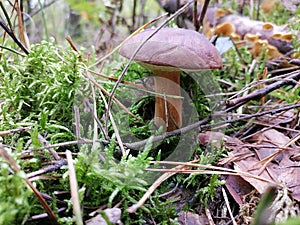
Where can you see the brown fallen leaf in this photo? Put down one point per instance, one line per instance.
(281, 170)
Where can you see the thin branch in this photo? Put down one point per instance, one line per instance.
(203, 124)
(195, 17)
(6, 132)
(203, 12)
(13, 36)
(235, 103)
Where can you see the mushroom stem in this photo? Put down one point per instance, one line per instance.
(168, 109)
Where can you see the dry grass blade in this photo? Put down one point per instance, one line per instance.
(154, 186)
(15, 167)
(228, 207)
(114, 126)
(209, 170)
(74, 189)
(92, 80)
(23, 35)
(209, 216)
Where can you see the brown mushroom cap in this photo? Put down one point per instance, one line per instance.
(173, 47)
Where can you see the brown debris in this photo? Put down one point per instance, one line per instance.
(278, 40)
(271, 159)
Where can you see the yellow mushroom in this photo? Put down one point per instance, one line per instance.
(224, 29)
(268, 26)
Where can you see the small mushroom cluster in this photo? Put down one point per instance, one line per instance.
(259, 36)
(166, 53)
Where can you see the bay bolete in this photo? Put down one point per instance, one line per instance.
(166, 53)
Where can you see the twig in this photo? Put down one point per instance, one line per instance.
(88, 104)
(92, 80)
(139, 144)
(203, 125)
(6, 132)
(203, 12)
(234, 103)
(13, 36)
(114, 126)
(71, 43)
(67, 143)
(133, 14)
(22, 33)
(44, 215)
(77, 122)
(48, 169)
(51, 150)
(195, 19)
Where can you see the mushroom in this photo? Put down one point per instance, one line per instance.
(166, 53)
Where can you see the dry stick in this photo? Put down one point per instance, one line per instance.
(209, 216)
(6, 17)
(255, 84)
(6, 132)
(96, 120)
(195, 19)
(67, 143)
(51, 150)
(71, 43)
(137, 145)
(47, 208)
(48, 169)
(178, 12)
(203, 12)
(114, 79)
(77, 122)
(201, 124)
(74, 189)
(234, 103)
(133, 14)
(44, 215)
(13, 36)
(274, 111)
